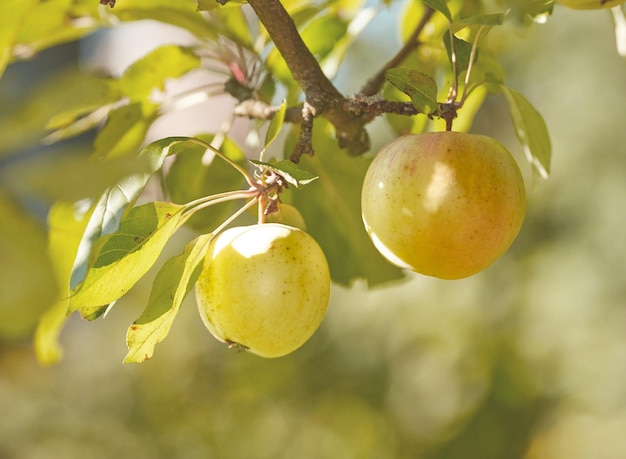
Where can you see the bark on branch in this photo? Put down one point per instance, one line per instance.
(349, 116)
(321, 95)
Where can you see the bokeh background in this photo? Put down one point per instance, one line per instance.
(525, 360)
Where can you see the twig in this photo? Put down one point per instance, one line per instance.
(374, 84)
(256, 109)
(305, 142)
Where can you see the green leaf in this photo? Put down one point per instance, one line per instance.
(531, 131)
(210, 5)
(76, 176)
(331, 207)
(124, 131)
(197, 172)
(421, 88)
(321, 36)
(66, 224)
(232, 23)
(157, 151)
(468, 28)
(462, 52)
(275, 125)
(207, 5)
(84, 107)
(440, 5)
(151, 71)
(120, 259)
(529, 11)
(323, 33)
(12, 15)
(291, 172)
(50, 24)
(171, 285)
(112, 205)
(24, 118)
(179, 13)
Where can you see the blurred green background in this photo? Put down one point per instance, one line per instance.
(525, 360)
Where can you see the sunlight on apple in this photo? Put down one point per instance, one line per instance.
(437, 190)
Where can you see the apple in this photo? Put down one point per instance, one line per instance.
(444, 204)
(589, 4)
(264, 288)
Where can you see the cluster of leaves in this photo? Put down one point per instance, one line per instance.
(101, 242)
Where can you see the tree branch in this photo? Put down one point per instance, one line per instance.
(323, 98)
(374, 84)
(370, 107)
(304, 67)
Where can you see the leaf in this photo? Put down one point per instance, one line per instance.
(179, 13)
(323, 33)
(291, 172)
(468, 28)
(232, 23)
(462, 52)
(151, 71)
(531, 131)
(440, 5)
(120, 259)
(197, 172)
(171, 285)
(76, 176)
(207, 5)
(421, 88)
(28, 286)
(124, 131)
(50, 24)
(66, 224)
(530, 11)
(157, 151)
(12, 15)
(25, 117)
(275, 125)
(110, 208)
(85, 108)
(331, 208)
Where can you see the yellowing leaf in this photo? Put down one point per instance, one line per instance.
(120, 259)
(12, 14)
(28, 286)
(171, 285)
(66, 223)
(531, 131)
(114, 202)
(151, 71)
(124, 131)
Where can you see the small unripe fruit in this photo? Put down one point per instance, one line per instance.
(287, 215)
(444, 204)
(263, 287)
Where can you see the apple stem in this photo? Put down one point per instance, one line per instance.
(454, 87)
(234, 216)
(207, 201)
(470, 65)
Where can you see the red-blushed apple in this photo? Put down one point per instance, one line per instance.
(444, 204)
